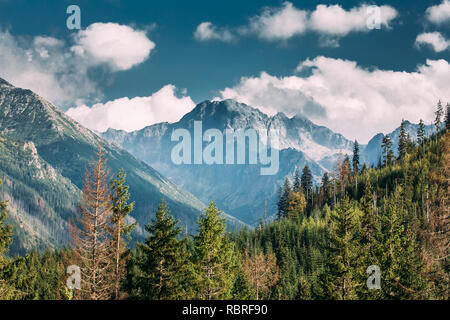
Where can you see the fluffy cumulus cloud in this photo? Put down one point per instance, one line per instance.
(119, 46)
(329, 21)
(58, 70)
(439, 13)
(136, 113)
(207, 31)
(336, 21)
(278, 23)
(433, 39)
(347, 98)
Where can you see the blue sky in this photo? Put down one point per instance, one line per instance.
(245, 40)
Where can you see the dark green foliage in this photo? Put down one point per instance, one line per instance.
(162, 259)
(306, 179)
(355, 159)
(402, 141)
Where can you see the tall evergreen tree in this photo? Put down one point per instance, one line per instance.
(164, 259)
(421, 133)
(214, 257)
(355, 159)
(355, 162)
(306, 180)
(438, 119)
(388, 154)
(284, 199)
(120, 210)
(297, 183)
(340, 279)
(402, 141)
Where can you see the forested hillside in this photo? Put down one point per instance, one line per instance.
(326, 242)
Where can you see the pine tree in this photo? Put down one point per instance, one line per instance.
(214, 257)
(402, 141)
(306, 180)
(421, 133)
(355, 159)
(340, 279)
(297, 183)
(91, 238)
(438, 119)
(355, 162)
(284, 199)
(325, 187)
(388, 154)
(162, 265)
(120, 210)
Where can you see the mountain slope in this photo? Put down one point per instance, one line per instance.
(239, 189)
(64, 147)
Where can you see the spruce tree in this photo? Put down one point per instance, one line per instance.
(120, 210)
(402, 141)
(438, 119)
(284, 199)
(342, 269)
(297, 183)
(355, 159)
(388, 154)
(164, 258)
(355, 162)
(306, 180)
(214, 257)
(421, 133)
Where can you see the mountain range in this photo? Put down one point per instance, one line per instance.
(240, 189)
(44, 154)
(43, 157)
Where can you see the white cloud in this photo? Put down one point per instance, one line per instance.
(134, 114)
(58, 71)
(284, 22)
(341, 95)
(120, 46)
(278, 23)
(439, 13)
(434, 40)
(334, 20)
(46, 67)
(207, 31)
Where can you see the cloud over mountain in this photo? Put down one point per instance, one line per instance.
(58, 70)
(347, 98)
(134, 114)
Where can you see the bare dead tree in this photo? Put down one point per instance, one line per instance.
(91, 241)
